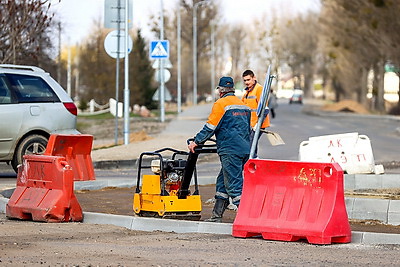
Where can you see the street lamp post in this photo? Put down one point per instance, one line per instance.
(179, 80)
(212, 62)
(126, 89)
(162, 78)
(195, 6)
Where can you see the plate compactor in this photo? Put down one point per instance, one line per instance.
(166, 193)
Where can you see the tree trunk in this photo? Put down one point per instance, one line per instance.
(379, 74)
(308, 85)
(362, 96)
(398, 92)
(337, 89)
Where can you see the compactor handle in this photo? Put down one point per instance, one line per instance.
(205, 148)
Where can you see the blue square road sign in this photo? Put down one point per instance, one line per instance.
(159, 49)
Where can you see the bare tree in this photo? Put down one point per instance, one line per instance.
(96, 68)
(342, 42)
(24, 30)
(207, 15)
(296, 42)
(360, 36)
(235, 37)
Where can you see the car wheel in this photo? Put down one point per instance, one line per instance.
(32, 144)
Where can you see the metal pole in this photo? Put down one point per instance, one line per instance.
(195, 53)
(212, 62)
(126, 89)
(179, 81)
(59, 54)
(69, 72)
(76, 73)
(261, 109)
(162, 85)
(117, 71)
(195, 50)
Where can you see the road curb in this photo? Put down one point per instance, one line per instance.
(114, 164)
(153, 224)
(179, 226)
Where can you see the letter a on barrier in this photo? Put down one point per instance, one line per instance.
(288, 201)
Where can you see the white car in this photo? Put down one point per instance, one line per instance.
(32, 106)
(297, 97)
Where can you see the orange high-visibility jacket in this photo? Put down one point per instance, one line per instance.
(251, 99)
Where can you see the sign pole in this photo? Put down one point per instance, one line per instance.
(117, 72)
(126, 89)
(162, 84)
(179, 79)
(113, 18)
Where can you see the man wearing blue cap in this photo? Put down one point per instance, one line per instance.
(229, 120)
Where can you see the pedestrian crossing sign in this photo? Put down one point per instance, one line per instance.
(159, 49)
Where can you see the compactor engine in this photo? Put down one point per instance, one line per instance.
(167, 192)
(171, 176)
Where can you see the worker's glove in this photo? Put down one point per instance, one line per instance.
(266, 111)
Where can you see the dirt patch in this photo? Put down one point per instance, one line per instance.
(139, 136)
(346, 106)
(386, 193)
(120, 201)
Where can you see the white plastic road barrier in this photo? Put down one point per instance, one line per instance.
(352, 151)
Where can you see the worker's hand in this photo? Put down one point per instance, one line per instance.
(191, 146)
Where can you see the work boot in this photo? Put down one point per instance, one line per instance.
(219, 208)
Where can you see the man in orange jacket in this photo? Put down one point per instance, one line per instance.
(229, 120)
(251, 98)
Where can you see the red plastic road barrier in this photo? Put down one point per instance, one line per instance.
(45, 191)
(76, 148)
(288, 201)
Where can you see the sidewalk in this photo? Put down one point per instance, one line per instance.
(185, 126)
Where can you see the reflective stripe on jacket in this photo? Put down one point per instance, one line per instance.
(229, 120)
(251, 98)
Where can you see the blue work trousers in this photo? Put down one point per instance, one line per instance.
(230, 177)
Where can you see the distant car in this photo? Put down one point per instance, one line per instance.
(297, 97)
(32, 106)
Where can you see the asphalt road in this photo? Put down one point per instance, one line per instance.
(296, 123)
